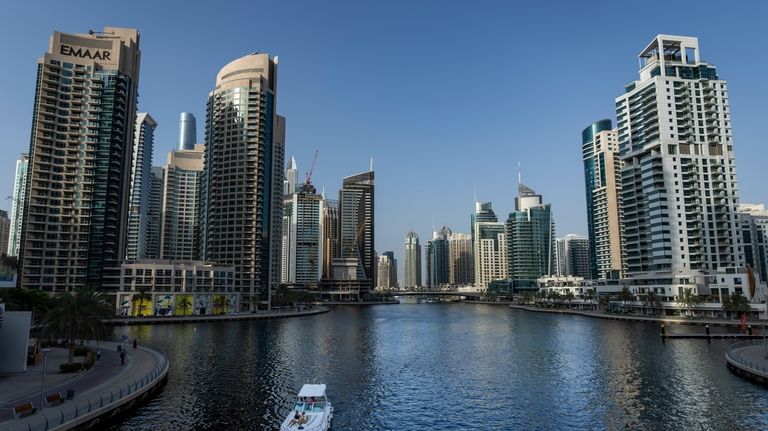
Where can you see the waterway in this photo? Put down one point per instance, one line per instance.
(447, 367)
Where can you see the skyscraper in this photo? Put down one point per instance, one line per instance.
(243, 179)
(489, 244)
(291, 178)
(679, 189)
(438, 258)
(187, 131)
(331, 237)
(138, 212)
(5, 231)
(356, 221)
(155, 213)
(181, 204)
(602, 177)
(530, 239)
(412, 264)
(387, 271)
(303, 241)
(460, 259)
(80, 160)
(17, 206)
(572, 256)
(753, 222)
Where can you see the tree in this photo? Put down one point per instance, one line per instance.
(17, 299)
(624, 296)
(141, 297)
(77, 316)
(220, 302)
(652, 301)
(688, 299)
(738, 303)
(184, 303)
(568, 297)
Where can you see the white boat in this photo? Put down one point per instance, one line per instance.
(311, 412)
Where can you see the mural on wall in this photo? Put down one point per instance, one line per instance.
(202, 304)
(183, 305)
(163, 304)
(219, 304)
(233, 306)
(142, 304)
(124, 304)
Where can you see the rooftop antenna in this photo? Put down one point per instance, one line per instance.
(474, 193)
(519, 174)
(371, 170)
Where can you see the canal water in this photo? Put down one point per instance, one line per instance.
(447, 367)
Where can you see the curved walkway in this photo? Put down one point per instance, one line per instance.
(107, 386)
(273, 314)
(749, 359)
(602, 315)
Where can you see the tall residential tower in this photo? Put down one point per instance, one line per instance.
(83, 124)
(412, 264)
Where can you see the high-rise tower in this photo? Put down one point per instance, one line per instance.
(356, 212)
(138, 217)
(602, 177)
(17, 206)
(187, 131)
(179, 227)
(242, 187)
(80, 153)
(679, 189)
(489, 245)
(530, 239)
(412, 257)
(438, 258)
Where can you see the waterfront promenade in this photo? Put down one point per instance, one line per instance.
(272, 314)
(749, 359)
(103, 390)
(635, 318)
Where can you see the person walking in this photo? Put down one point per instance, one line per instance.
(122, 357)
(135, 343)
(98, 354)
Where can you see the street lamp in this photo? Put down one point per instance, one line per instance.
(42, 386)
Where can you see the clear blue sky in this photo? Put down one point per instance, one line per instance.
(446, 96)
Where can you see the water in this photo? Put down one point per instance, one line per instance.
(447, 366)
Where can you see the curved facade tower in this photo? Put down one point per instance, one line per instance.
(242, 185)
(187, 131)
(412, 261)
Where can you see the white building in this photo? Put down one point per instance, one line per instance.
(572, 256)
(138, 213)
(17, 206)
(181, 203)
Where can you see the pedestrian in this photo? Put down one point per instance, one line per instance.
(122, 357)
(98, 354)
(135, 343)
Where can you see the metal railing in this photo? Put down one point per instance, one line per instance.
(733, 356)
(97, 403)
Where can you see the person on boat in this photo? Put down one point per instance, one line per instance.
(296, 419)
(303, 418)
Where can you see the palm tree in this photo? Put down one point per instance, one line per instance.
(568, 297)
(142, 296)
(184, 303)
(736, 302)
(77, 316)
(17, 299)
(624, 296)
(688, 299)
(652, 301)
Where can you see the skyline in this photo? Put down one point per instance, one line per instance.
(350, 113)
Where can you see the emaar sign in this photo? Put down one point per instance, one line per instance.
(85, 52)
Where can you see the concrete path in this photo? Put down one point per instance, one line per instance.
(601, 315)
(107, 373)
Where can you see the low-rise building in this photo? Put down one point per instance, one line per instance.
(176, 288)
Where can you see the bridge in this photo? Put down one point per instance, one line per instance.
(472, 294)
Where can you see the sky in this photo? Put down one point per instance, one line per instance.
(446, 97)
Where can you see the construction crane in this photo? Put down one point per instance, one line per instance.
(308, 180)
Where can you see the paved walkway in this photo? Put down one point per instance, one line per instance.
(106, 374)
(602, 315)
(749, 359)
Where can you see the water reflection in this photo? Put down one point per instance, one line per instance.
(447, 366)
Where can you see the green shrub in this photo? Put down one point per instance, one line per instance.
(90, 361)
(70, 367)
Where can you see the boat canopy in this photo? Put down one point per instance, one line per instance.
(312, 391)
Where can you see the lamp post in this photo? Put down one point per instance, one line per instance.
(42, 385)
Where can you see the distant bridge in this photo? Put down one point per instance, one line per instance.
(473, 294)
